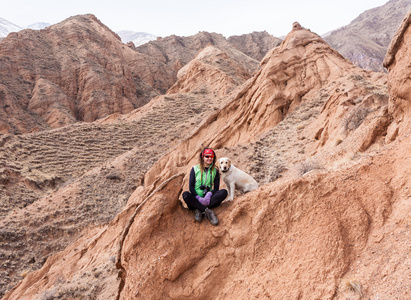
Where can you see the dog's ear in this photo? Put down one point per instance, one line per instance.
(217, 164)
(229, 161)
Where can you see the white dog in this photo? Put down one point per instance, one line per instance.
(234, 178)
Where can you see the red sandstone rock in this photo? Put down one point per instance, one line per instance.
(397, 61)
(215, 69)
(255, 44)
(76, 70)
(51, 104)
(93, 74)
(364, 41)
(290, 75)
(339, 232)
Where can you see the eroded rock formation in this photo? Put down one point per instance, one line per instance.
(366, 39)
(256, 44)
(79, 70)
(214, 69)
(91, 167)
(339, 230)
(397, 62)
(76, 70)
(291, 74)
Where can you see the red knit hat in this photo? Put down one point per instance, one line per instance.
(207, 151)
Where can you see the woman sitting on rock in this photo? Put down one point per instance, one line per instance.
(204, 185)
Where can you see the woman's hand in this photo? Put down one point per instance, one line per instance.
(200, 199)
(207, 197)
(206, 200)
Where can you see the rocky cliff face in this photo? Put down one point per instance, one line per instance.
(176, 52)
(330, 219)
(365, 40)
(77, 70)
(103, 161)
(214, 70)
(302, 70)
(397, 62)
(256, 44)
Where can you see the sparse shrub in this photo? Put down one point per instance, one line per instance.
(338, 140)
(354, 286)
(112, 259)
(71, 290)
(356, 117)
(97, 273)
(358, 100)
(4, 179)
(305, 116)
(49, 294)
(275, 171)
(202, 90)
(300, 126)
(113, 176)
(351, 288)
(308, 166)
(356, 77)
(24, 273)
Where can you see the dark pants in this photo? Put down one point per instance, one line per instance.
(215, 201)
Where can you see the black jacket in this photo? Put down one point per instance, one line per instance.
(192, 182)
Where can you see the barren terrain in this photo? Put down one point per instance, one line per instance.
(365, 40)
(93, 210)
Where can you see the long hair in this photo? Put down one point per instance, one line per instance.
(202, 167)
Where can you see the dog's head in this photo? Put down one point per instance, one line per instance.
(224, 164)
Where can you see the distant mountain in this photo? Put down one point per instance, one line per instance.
(138, 38)
(177, 51)
(102, 77)
(256, 44)
(365, 40)
(6, 27)
(38, 25)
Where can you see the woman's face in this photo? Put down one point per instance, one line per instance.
(208, 160)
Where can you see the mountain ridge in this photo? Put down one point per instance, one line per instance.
(138, 38)
(365, 40)
(94, 209)
(312, 229)
(57, 89)
(6, 27)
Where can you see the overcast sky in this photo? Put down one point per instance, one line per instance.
(188, 17)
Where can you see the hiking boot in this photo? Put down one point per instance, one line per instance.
(198, 215)
(211, 216)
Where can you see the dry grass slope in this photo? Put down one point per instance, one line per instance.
(36, 166)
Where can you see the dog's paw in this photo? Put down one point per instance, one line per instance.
(230, 199)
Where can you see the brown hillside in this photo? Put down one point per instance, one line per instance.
(299, 238)
(366, 39)
(255, 44)
(79, 70)
(292, 74)
(76, 70)
(78, 176)
(212, 69)
(397, 62)
(332, 230)
(177, 51)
